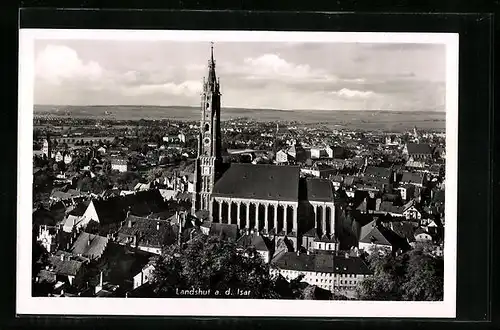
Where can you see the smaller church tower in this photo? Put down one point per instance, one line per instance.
(47, 147)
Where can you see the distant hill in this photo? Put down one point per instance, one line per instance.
(361, 119)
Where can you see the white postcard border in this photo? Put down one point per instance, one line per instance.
(25, 304)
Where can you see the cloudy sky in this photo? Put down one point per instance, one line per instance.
(323, 76)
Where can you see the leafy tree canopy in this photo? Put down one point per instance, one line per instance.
(211, 263)
(416, 275)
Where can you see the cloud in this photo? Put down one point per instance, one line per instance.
(56, 64)
(273, 66)
(350, 93)
(186, 88)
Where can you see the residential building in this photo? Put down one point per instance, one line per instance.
(89, 246)
(418, 151)
(143, 276)
(120, 164)
(335, 273)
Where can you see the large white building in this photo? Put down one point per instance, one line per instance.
(335, 273)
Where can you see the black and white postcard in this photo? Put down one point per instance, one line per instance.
(237, 173)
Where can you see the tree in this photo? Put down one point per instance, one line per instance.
(211, 263)
(424, 280)
(84, 184)
(414, 275)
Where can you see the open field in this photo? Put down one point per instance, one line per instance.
(359, 119)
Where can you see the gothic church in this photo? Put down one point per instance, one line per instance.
(271, 200)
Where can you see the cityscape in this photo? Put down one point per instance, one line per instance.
(226, 202)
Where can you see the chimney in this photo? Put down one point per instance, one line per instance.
(298, 252)
(347, 255)
(257, 233)
(158, 225)
(88, 242)
(62, 257)
(129, 223)
(308, 252)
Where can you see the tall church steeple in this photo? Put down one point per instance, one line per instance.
(209, 140)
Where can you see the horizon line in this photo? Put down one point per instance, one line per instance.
(227, 107)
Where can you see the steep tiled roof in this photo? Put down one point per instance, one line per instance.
(89, 245)
(114, 210)
(79, 209)
(149, 232)
(404, 229)
(315, 189)
(260, 243)
(410, 177)
(64, 267)
(320, 262)
(379, 172)
(371, 233)
(419, 148)
(261, 181)
(350, 265)
(387, 206)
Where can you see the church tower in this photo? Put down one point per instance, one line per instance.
(208, 163)
(47, 147)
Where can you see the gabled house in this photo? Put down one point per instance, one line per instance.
(143, 276)
(282, 157)
(109, 213)
(374, 235)
(89, 246)
(262, 245)
(416, 179)
(150, 235)
(63, 268)
(418, 151)
(408, 210)
(421, 235)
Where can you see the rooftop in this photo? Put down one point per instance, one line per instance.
(321, 262)
(259, 181)
(316, 189)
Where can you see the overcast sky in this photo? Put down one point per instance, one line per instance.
(323, 76)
